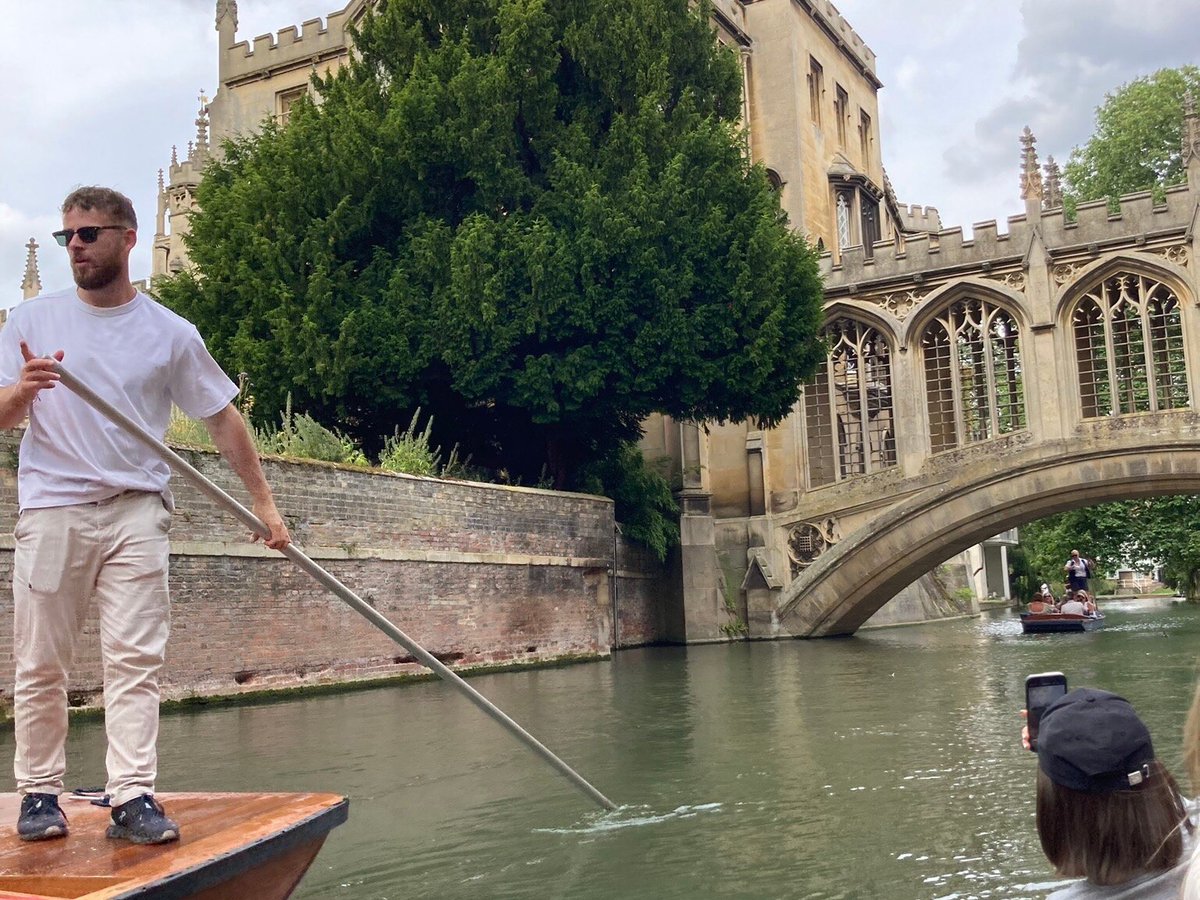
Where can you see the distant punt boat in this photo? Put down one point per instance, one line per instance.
(1053, 623)
(234, 847)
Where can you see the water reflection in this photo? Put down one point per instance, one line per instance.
(886, 765)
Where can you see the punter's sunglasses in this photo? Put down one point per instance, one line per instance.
(88, 233)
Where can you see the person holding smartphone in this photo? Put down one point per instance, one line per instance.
(1107, 808)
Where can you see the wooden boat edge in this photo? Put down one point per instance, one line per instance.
(225, 867)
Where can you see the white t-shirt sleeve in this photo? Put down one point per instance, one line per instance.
(11, 361)
(198, 385)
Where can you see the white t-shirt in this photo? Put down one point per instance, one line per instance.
(140, 357)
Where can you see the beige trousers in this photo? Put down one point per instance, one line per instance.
(115, 551)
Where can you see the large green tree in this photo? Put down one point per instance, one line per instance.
(1162, 530)
(535, 219)
(1137, 143)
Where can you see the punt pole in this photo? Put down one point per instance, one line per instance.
(296, 555)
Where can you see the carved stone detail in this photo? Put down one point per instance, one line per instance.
(900, 303)
(808, 540)
(1067, 271)
(1178, 255)
(1012, 280)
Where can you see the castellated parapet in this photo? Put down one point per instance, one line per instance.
(919, 218)
(841, 32)
(920, 257)
(314, 41)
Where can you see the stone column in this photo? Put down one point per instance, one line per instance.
(700, 573)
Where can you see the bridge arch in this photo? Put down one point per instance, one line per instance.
(1157, 455)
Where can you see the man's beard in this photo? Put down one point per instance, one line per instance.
(100, 274)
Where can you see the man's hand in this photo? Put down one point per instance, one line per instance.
(37, 374)
(270, 517)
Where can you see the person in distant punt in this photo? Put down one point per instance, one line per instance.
(95, 508)
(1078, 570)
(1043, 601)
(1074, 605)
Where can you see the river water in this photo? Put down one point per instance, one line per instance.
(887, 765)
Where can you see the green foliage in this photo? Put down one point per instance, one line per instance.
(1137, 143)
(409, 451)
(534, 219)
(1164, 530)
(302, 437)
(643, 502)
(1022, 584)
(183, 429)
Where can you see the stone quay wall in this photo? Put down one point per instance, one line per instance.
(479, 575)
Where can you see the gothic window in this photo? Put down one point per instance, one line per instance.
(1129, 348)
(816, 89)
(284, 100)
(870, 225)
(841, 111)
(848, 419)
(974, 387)
(844, 200)
(864, 138)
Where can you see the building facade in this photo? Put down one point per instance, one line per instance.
(810, 105)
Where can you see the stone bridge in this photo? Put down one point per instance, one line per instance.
(975, 385)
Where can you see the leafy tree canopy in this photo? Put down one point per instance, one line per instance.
(534, 219)
(1137, 144)
(1162, 530)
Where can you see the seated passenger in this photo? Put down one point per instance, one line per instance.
(1074, 606)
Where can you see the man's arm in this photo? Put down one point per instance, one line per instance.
(37, 374)
(233, 441)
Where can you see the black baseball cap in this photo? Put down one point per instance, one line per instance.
(1093, 741)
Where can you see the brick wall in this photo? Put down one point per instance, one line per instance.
(477, 574)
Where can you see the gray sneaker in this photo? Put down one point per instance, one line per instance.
(41, 818)
(142, 820)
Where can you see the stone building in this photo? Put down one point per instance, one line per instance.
(930, 333)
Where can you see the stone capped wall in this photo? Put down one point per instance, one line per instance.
(477, 574)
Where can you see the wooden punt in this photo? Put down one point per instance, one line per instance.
(1057, 623)
(234, 847)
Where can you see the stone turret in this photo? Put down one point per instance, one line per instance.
(227, 22)
(31, 285)
(1191, 140)
(1031, 177)
(177, 199)
(1053, 196)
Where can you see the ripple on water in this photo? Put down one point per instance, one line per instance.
(630, 817)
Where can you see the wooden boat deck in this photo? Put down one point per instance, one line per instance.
(233, 846)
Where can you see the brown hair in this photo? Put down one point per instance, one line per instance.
(1191, 741)
(105, 200)
(1114, 837)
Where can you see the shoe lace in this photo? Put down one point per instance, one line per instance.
(39, 802)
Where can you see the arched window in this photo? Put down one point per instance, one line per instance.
(973, 378)
(843, 219)
(1129, 346)
(848, 408)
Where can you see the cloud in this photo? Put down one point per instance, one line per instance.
(1070, 55)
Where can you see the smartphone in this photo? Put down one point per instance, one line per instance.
(1040, 691)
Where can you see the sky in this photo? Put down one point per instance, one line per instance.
(97, 93)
